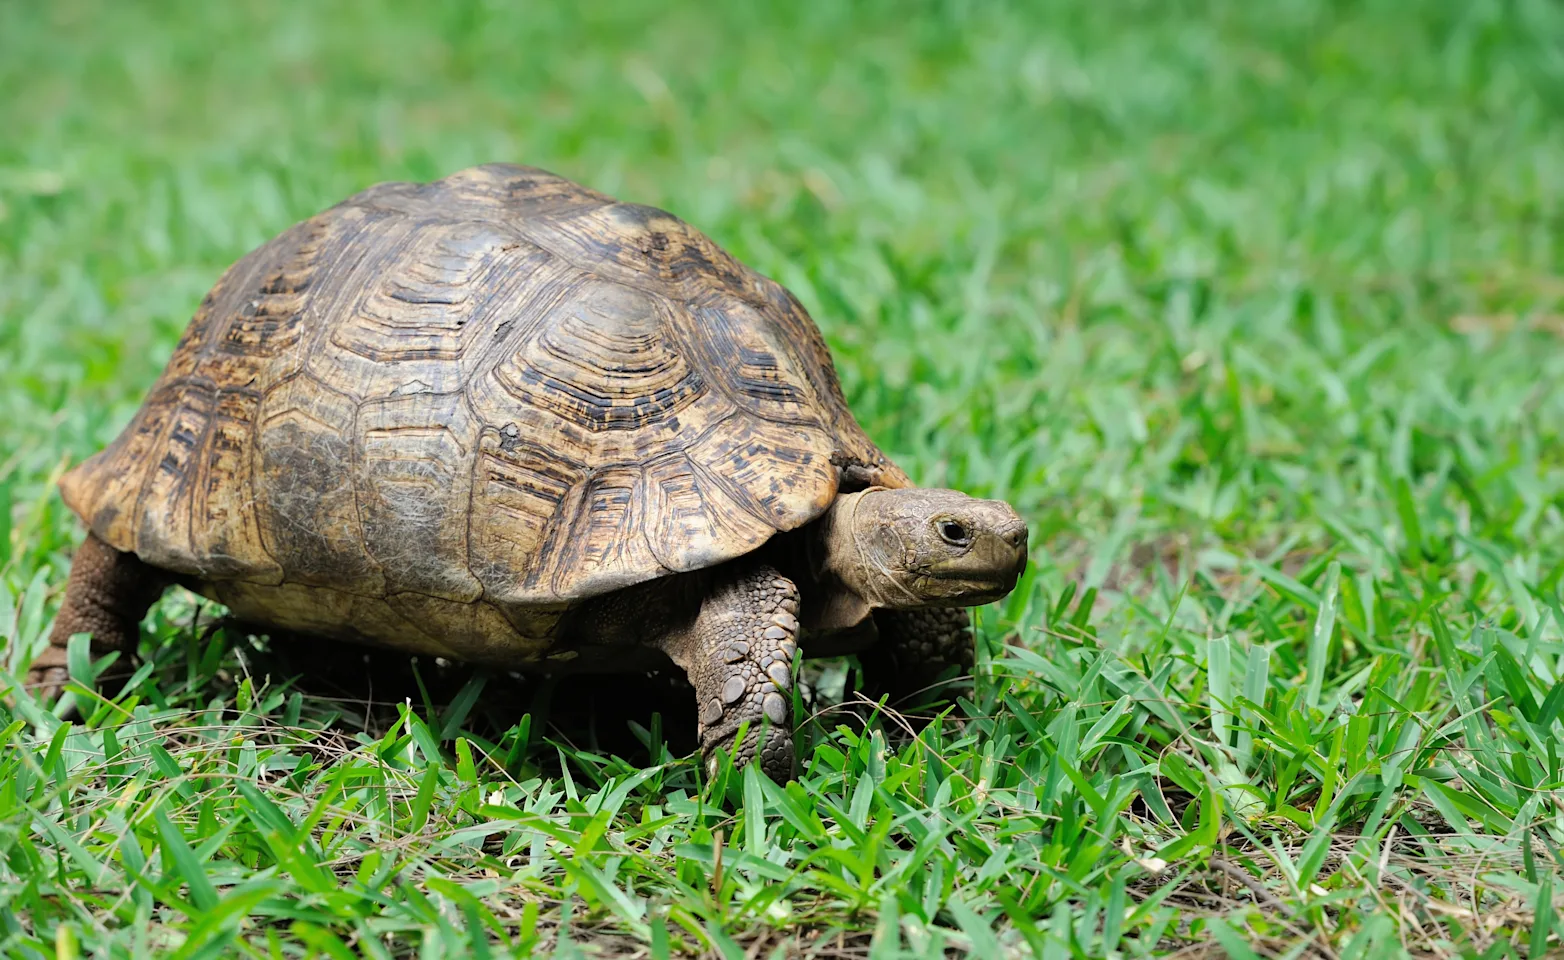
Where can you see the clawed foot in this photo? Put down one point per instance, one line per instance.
(741, 659)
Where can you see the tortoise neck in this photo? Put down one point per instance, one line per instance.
(835, 600)
(836, 550)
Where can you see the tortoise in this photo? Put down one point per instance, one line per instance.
(502, 418)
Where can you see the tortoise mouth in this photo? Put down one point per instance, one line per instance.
(967, 589)
(993, 565)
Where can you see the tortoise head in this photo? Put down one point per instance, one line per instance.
(910, 548)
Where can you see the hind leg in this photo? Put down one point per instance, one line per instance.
(107, 595)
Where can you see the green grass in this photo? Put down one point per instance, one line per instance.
(1253, 310)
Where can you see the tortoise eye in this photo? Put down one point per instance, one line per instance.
(953, 532)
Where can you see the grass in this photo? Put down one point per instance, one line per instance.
(1253, 310)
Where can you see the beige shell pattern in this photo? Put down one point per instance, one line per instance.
(498, 386)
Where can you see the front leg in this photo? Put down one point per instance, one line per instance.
(739, 655)
(914, 650)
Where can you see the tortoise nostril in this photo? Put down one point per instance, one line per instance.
(1015, 536)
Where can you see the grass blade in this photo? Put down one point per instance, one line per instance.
(1319, 639)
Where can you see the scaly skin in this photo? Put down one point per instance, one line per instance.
(107, 595)
(914, 648)
(739, 655)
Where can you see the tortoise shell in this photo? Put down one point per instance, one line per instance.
(499, 387)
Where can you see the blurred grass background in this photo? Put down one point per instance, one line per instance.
(1252, 309)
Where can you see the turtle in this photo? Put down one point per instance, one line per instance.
(505, 419)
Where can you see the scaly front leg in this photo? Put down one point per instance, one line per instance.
(739, 655)
(914, 649)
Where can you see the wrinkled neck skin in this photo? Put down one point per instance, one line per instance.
(852, 559)
(841, 598)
